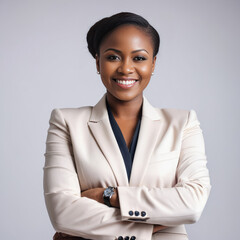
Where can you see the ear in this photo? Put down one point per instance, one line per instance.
(153, 63)
(97, 63)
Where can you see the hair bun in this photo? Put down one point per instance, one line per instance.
(106, 25)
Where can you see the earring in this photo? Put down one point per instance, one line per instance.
(98, 72)
(152, 73)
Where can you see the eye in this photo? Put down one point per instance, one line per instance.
(140, 58)
(113, 57)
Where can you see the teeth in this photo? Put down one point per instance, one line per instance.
(124, 82)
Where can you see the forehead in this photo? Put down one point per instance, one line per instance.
(128, 37)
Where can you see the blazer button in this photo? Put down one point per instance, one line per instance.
(130, 213)
(120, 238)
(136, 213)
(132, 238)
(126, 238)
(143, 214)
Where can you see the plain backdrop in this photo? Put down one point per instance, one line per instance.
(45, 64)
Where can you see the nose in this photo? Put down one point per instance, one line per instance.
(126, 67)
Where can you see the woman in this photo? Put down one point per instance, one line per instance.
(124, 169)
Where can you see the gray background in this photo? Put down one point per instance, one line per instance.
(45, 64)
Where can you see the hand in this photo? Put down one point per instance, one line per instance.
(97, 195)
(157, 228)
(94, 193)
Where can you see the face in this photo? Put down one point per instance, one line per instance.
(126, 63)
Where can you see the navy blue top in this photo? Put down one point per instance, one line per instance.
(127, 154)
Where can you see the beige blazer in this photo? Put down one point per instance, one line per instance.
(169, 179)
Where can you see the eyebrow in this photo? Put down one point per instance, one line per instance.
(115, 50)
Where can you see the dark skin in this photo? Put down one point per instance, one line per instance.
(126, 115)
(126, 63)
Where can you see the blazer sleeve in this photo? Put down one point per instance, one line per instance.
(183, 203)
(69, 212)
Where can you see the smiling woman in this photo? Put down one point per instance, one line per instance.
(124, 169)
(126, 63)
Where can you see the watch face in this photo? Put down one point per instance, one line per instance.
(108, 192)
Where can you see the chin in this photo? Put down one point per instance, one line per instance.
(127, 97)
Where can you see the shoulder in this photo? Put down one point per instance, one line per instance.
(71, 114)
(173, 113)
(179, 116)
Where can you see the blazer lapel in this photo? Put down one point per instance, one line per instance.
(147, 140)
(101, 129)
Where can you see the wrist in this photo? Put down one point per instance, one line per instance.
(107, 196)
(114, 199)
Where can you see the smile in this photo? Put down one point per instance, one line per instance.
(128, 82)
(125, 83)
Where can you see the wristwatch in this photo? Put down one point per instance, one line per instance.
(107, 194)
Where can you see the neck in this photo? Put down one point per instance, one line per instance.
(125, 109)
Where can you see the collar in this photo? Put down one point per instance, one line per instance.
(99, 111)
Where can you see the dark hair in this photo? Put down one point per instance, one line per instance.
(102, 28)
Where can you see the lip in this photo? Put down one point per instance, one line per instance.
(125, 79)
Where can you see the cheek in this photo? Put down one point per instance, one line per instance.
(107, 68)
(146, 71)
